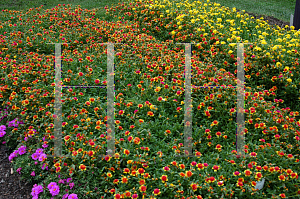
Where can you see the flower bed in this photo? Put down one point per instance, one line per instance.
(149, 103)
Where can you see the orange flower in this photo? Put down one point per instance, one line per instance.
(258, 176)
(156, 192)
(220, 183)
(58, 169)
(200, 166)
(82, 167)
(188, 173)
(247, 172)
(109, 174)
(126, 170)
(143, 188)
(218, 147)
(164, 178)
(126, 152)
(127, 194)
(141, 171)
(166, 168)
(124, 180)
(117, 196)
(216, 168)
(236, 173)
(150, 113)
(142, 181)
(282, 195)
(281, 177)
(239, 184)
(194, 186)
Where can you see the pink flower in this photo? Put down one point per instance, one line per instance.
(32, 173)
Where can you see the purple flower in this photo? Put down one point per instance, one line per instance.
(2, 128)
(22, 150)
(16, 153)
(42, 157)
(39, 189)
(54, 191)
(12, 155)
(69, 179)
(2, 134)
(71, 185)
(32, 173)
(51, 185)
(36, 190)
(65, 196)
(13, 123)
(73, 196)
(43, 167)
(25, 138)
(35, 156)
(44, 145)
(39, 150)
(61, 181)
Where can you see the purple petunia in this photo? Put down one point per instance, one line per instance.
(22, 150)
(2, 134)
(43, 167)
(19, 169)
(69, 179)
(73, 196)
(2, 128)
(36, 190)
(13, 155)
(35, 156)
(71, 185)
(42, 157)
(54, 191)
(51, 185)
(39, 150)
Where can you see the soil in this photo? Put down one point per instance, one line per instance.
(269, 19)
(11, 187)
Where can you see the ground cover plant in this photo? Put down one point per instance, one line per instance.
(149, 102)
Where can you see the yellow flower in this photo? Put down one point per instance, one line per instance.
(173, 32)
(230, 52)
(193, 20)
(180, 27)
(219, 19)
(133, 8)
(287, 68)
(278, 64)
(289, 80)
(263, 42)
